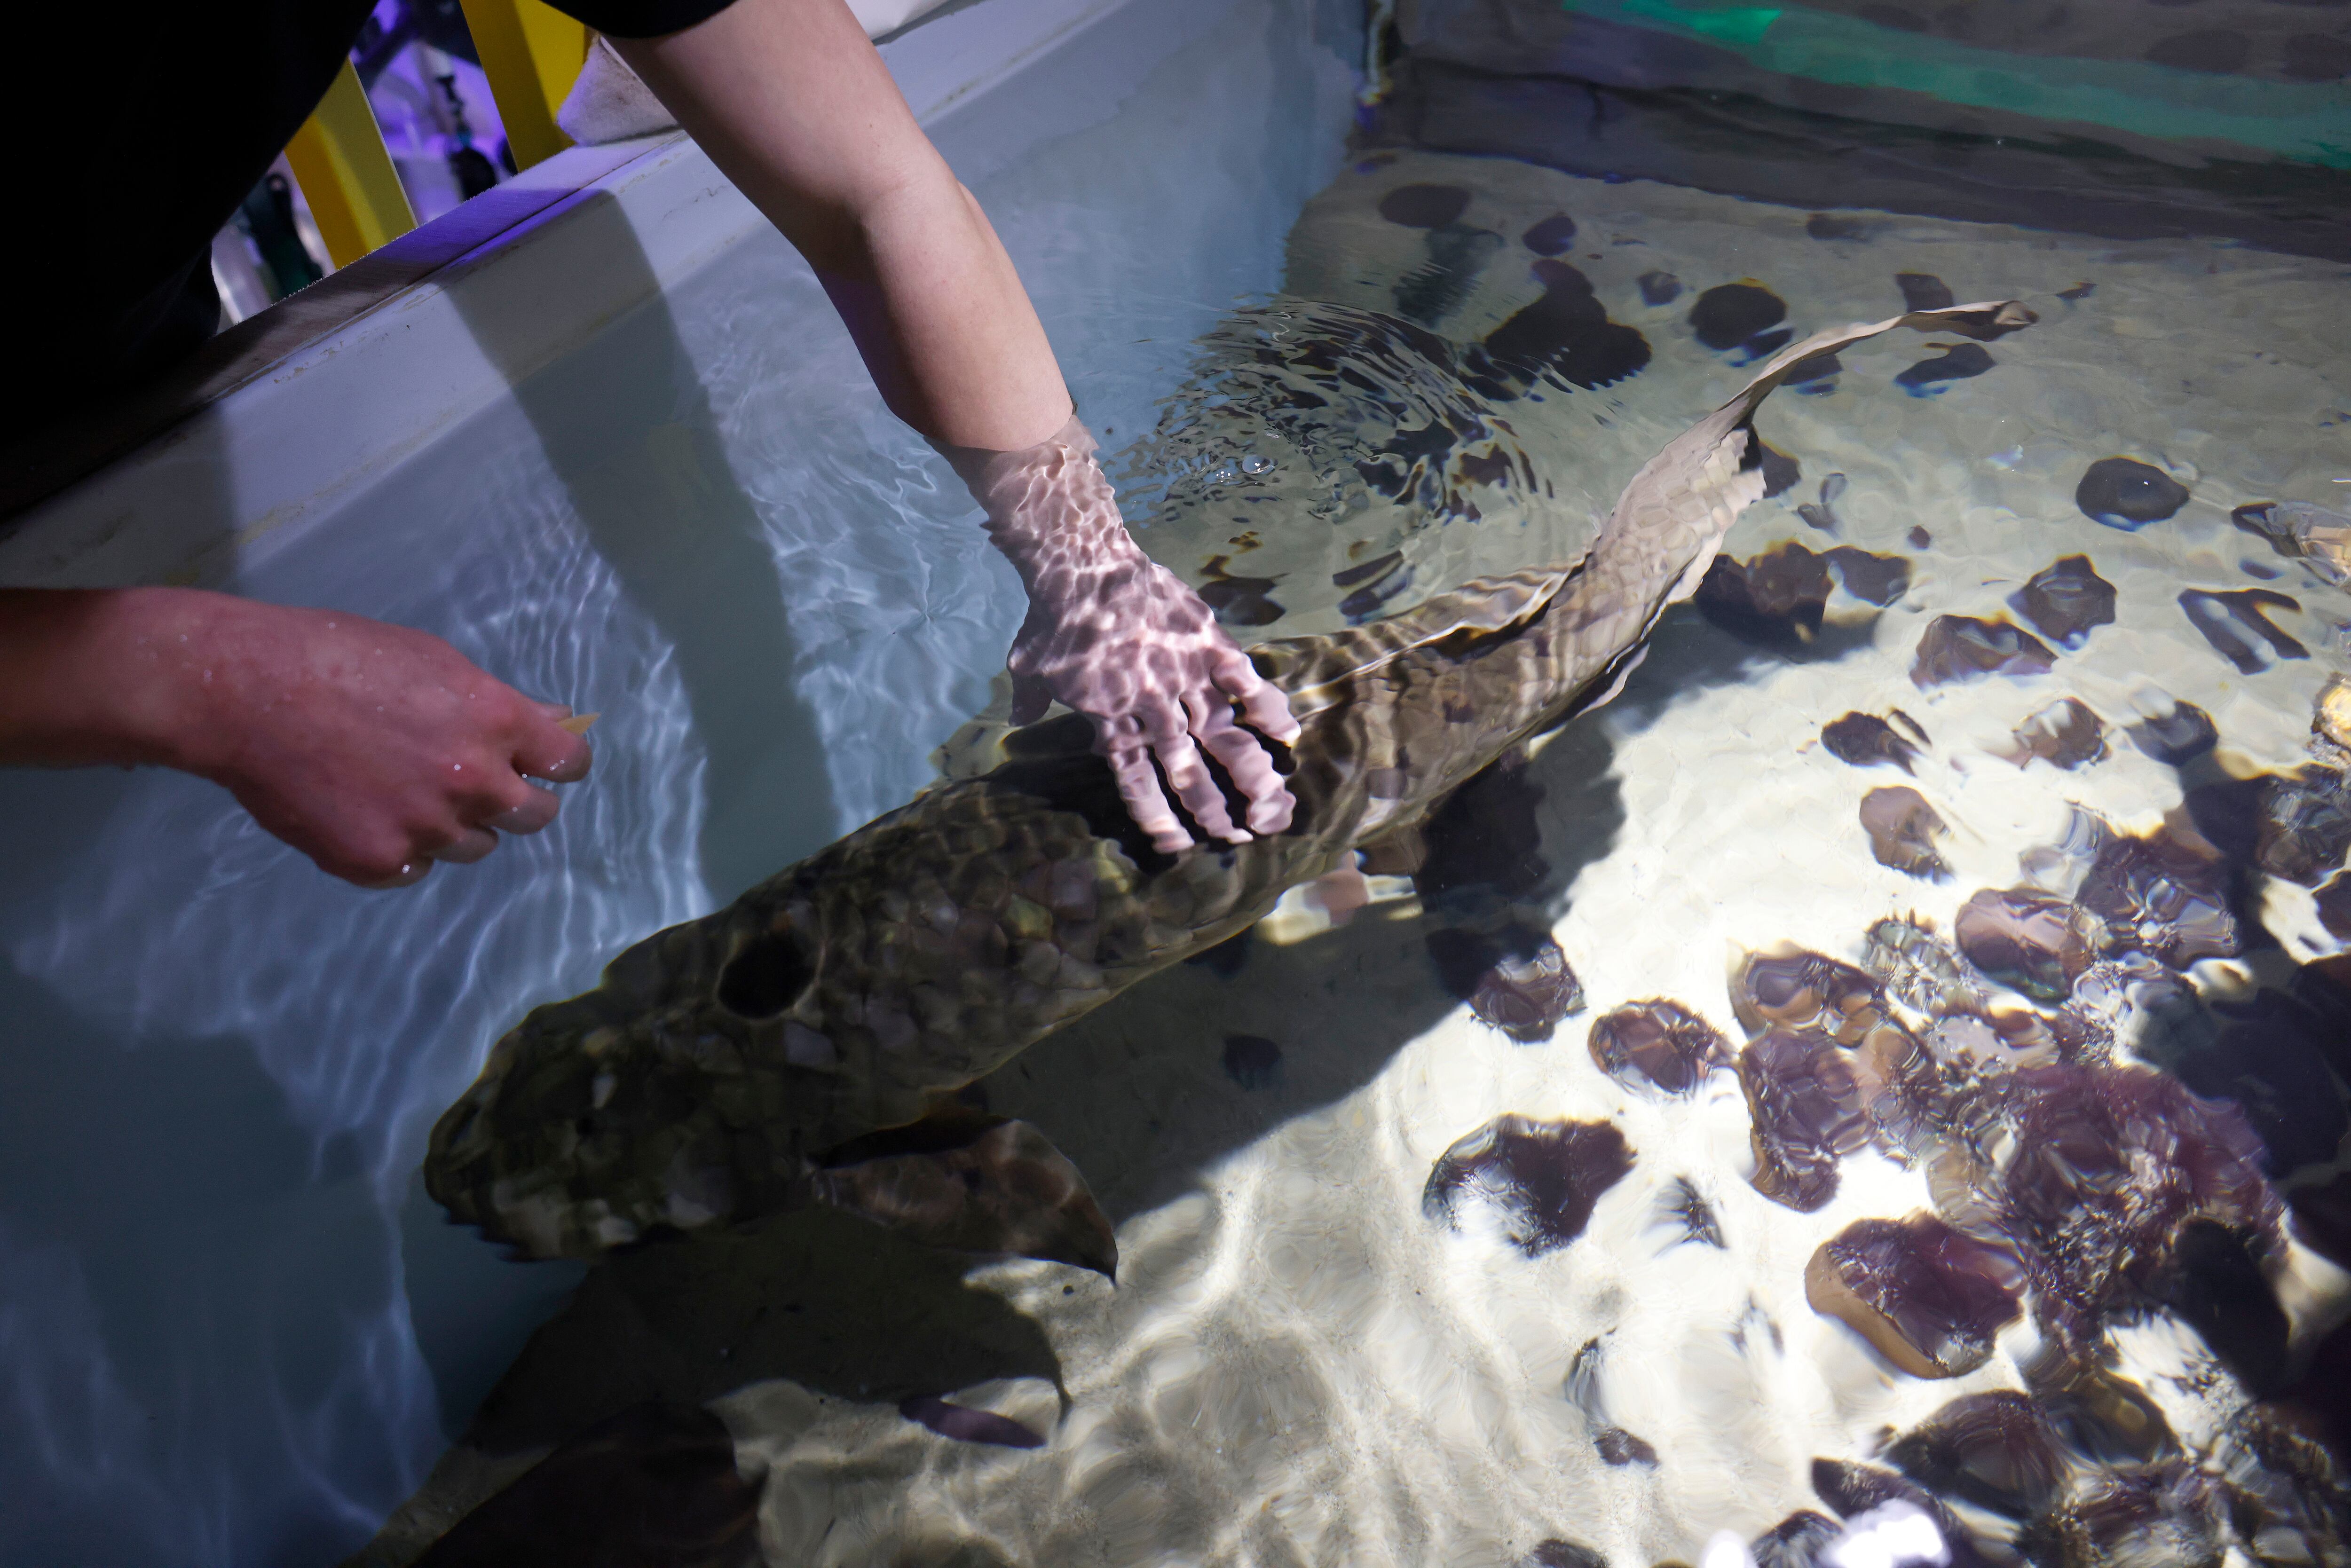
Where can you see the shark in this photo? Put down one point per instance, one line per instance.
(804, 1046)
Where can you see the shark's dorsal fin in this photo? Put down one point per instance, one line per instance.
(1681, 502)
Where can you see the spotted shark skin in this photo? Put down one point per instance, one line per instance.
(704, 1079)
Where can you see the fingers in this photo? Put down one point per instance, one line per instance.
(1252, 770)
(1122, 748)
(1179, 759)
(1263, 706)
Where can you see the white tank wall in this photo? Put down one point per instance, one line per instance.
(626, 457)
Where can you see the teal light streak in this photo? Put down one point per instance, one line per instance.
(2310, 122)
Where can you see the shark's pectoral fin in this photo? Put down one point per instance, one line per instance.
(972, 1183)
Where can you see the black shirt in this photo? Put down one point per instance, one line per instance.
(177, 109)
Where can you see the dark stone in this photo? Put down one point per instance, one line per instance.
(1924, 291)
(2306, 825)
(1618, 1447)
(2168, 1513)
(2103, 1166)
(1853, 1490)
(1565, 335)
(1929, 1300)
(1795, 989)
(2124, 493)
(1543, 1178)
(2228, 620)
(1659, 289)
(1877, 580)
(1995, 1451)
(1805, 1106)
(1685, 1209)
(1780, 472)
(1834, 226)
(1962, 648)
(1922, 971)
(1659, 1041)
(1796, 1541)
(2295, 825)
(1960, 362)
(2026, 938)
(1550, 235)
(1730, 313)
(2067, 734)
(2182, 735)
(2103, 1417)
(1425, 206)
(1252, 1060)
(1517, 981)
(1918, 538)
(1556, 1553)
(2065, 600)
(1863, 739)
(2218, 50)
(1777, 598)
(2079, 291)
(1903, 828)
(2165, 895)
(652, 1485)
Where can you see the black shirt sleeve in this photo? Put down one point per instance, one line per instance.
(193, 104)
(641, 18)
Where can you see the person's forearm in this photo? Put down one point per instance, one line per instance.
(790, 99)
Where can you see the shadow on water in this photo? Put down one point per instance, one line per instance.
(628, 429)
(181, 1262)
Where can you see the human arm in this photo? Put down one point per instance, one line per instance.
(374, 749)
(790, 99)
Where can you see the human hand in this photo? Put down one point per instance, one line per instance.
(374, 749)
(1119, 638)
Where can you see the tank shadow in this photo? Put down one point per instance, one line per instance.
(629, 431)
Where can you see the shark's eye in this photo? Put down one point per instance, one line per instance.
(763, 978)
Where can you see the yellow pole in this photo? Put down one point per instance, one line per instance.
(532, 53)
(346, 175)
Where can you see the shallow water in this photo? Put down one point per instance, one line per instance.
(1406, 1280)
(1303, 1359)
